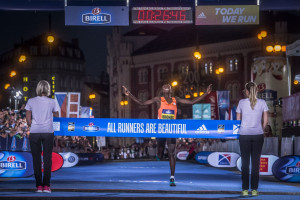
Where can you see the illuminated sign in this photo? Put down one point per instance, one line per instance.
(25, 87)
(227, 15)
(53, 86)
(162, 15)
(96, 15)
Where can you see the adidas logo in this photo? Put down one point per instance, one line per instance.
(201, 16)
(202, 129)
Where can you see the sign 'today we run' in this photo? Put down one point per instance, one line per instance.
(227, 15)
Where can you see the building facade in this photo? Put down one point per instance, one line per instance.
(146, 58)
(61, 63)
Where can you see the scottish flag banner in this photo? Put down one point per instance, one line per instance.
(146, 128)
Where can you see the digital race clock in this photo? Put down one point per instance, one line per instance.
(162, 15)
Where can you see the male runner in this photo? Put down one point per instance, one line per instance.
(167, 109)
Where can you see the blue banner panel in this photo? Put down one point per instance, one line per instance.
(201, 157)
(96, 16)
(113, 127)
(287, 169)
(15, 164)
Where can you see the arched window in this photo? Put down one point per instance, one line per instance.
(232, 65)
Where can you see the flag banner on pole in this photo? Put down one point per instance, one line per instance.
(113, 127)
(61, 99)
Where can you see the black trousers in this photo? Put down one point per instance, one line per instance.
(250, 146)
(42, 142)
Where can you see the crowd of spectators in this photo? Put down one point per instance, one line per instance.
(14, 134)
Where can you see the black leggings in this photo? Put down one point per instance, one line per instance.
(250, 146)
(171, 142)
(42, 142)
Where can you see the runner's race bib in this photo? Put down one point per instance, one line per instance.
(168, 114)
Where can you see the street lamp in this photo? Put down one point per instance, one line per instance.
(50, 39)
(6, 86)
(13, 73)
(262, 35)
(296, 82)
(219, 71)
(92, 96)
(197, 54)
(276, 48)
(174, 83)
(22, 58)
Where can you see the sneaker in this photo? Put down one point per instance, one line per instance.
(254, 193)
(157, 158)
(245, 193)
(47, 189)
(39, 189)
(172, 182)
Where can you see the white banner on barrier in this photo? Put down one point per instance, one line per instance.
(266, 163)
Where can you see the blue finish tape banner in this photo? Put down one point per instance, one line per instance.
(113, 127)
(97, 15)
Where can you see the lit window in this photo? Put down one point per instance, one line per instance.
(233, 65)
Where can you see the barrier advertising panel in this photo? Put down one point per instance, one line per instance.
(15, 164)
(57, 162)
(287, 169)
(266, 163)
(223, 159)
(86, 158)
(201, 157)
(182, 155)
(70, 159)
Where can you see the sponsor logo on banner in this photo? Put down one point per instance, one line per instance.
(201, 16)
(264, 163)
(221, 128)
(224, 159)
(236, 128)
(15, 164)
(182, 155)
(202, 129)
(96, 17)
(293, 169)
(201, 157)
(70, 159)
(56, 126)
(71, 126)
(287, 169)
(12, 164)
(91, 128)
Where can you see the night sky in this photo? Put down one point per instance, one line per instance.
(27, 24)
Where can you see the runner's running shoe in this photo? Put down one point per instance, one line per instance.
(172, 182)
